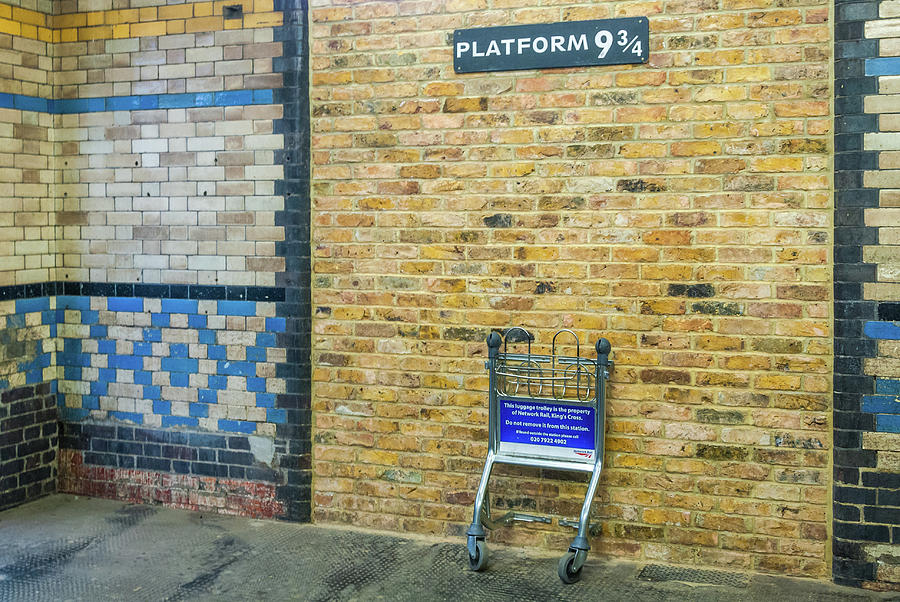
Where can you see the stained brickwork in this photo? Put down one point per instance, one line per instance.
(680, 208)
(867, 379)
(28, 444)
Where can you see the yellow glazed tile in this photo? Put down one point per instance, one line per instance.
(153, 28)
(68, 35)
(176, 11)
(147, 14)
(5, 11)
(203, 9)
(29, 17)
(45, 35)
(121, 31)
(95, 18)
(10, 27)
(175, 27)
(203, 24)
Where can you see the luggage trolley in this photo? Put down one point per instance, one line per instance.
(545, 411)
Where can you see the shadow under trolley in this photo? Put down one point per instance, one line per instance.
(544, 411)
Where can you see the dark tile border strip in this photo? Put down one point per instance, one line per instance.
(293, 439)
(851, 310)
(148, 291)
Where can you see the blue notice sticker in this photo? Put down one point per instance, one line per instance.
(547, 424)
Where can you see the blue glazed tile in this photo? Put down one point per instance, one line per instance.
(152, 392)
(883, 66)
(218, 382)
(30, 103)
(132, 103)
(143, 348)
(207, 337)
(71, 373)
(236, 368)
(99, 388)
(196, 321)
(98, 332)
(237, 426)
(107, 375)
(276, 325)
(90, 402)
(179, 364)
(90, 316)
(204, 99)
(34, 376)
(882, 330)
(233, 98)
(237, 308)
(49, 317)
(179, 379)
(176, 101)
(887, 423)
(72, 345)
(72, 302)
(4, 385)
(53, 330)
(142, 377)
(265, 339)
(179, 421)
(129, 416)
(215, 352)
(153, 335)
(162, 407)
(178, 350)
(26, 306)
(7, 101)
(179, 306)
(18, 321)
(125, 362)
(887, 386)
(125, 304)
(881, 404)
(207, 396)
(198, 410)
(256, 354)
(276, 415)
(73, 414)
(256, 384)
(161, 320)
(106, 347)
(263, 97)
(265, 400)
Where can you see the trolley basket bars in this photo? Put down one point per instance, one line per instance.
(545, 411)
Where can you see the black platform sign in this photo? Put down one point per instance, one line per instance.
(544, 46)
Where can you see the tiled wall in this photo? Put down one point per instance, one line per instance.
(159, 257)
(867, 295)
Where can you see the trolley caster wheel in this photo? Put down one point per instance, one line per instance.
(566, 568)
(478, 562)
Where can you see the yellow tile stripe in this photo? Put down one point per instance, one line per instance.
(135, 23)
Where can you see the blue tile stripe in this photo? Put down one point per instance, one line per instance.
(883, 66)
(882, 330)
(229, 98)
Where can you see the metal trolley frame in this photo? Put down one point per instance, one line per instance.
(544, 411)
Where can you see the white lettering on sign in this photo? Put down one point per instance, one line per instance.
(539, 45)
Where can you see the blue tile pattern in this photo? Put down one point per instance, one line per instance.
(136, 103)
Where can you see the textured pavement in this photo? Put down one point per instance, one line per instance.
(70, 548)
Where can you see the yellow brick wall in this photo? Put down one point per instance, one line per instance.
(680, 208)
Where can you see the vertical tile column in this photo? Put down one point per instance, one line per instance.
(293, 438)
(867, 289)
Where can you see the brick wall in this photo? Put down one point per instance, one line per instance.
(680, 208)
(145, 227)
(867, 253)
(28, 444)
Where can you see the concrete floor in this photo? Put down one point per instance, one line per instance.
(70, 548)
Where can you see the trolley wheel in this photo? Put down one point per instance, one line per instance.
(566, 568)
(478, 562)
